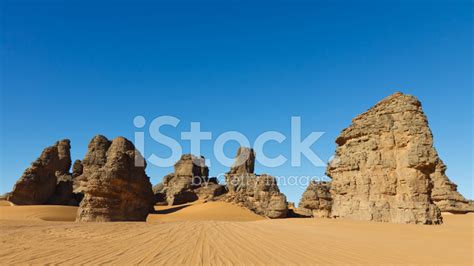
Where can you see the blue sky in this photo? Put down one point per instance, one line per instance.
(74, 69)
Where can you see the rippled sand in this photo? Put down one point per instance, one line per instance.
(221, 233)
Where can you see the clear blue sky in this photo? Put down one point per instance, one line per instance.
(74, 69)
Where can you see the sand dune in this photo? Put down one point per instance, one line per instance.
(209, 233)
(199, 211)
(5, 203)
(38, 212)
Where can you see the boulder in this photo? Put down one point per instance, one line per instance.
(258, 193)
(384, 163)
(38, 183)
(316, 201)
(114, 188)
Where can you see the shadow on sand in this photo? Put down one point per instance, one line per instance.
(173, 209)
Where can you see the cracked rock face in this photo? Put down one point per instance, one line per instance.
(189, 182)
(38, 183)
(445, 194)
(114, 188)
(384, 164)
(259, 193)
(316, 201)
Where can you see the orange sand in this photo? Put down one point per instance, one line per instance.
(221, 233)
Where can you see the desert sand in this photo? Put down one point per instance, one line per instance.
(221, 233)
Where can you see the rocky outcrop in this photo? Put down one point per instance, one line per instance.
(189, 171)
(77, 168)
(316, 201)
(189, 182)
(159, 192)
(114, 188)
(244, 162)
(384, 164)
(38, 183)
(445, 194)
(259, 193)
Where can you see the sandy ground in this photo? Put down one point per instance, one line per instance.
(221, 233)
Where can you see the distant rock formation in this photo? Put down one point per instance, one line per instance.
(244, 162)
(159, 192)
(384, 164)
(114, 188)
(77, 168)
(260, 194)
(445, 194)
(189, 182)
(316, 201)
(39, 182)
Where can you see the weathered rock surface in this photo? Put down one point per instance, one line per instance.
(244, 162)
(37, 185)
(159, 192)
(316, 201)
(445, 194)
(77, 168)
(189, 182)
(384, 164)
(114, 188)
(259, 193)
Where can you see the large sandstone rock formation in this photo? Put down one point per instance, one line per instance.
(260, 194)
(189, 181)
(384, 165)
(39, 182)
(114, 188)
(316, 201)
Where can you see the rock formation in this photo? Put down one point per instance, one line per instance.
(260, 194)
(189, 181)
(114, 188)
(445, 194)
(38, 183)
(77, 168)
(159, 192)
(384, 164)
(316, 201)
(244, 162)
